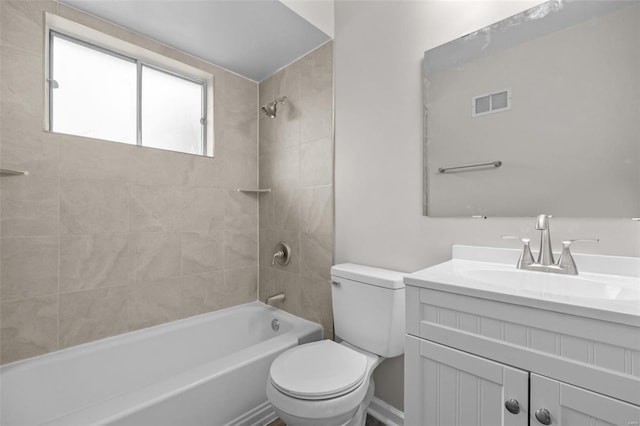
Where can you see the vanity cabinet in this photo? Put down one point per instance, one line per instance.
(448, 387)
(569, 405)
(466, 356)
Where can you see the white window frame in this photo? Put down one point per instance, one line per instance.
(90, 38)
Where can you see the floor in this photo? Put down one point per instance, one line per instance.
(371, 421)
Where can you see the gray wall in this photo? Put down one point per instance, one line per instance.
(296, 162)
(378, 143)
(103, 238)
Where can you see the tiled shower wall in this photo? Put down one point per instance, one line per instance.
(296, 162)
(103, 238)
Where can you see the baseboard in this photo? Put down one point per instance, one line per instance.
(386, 413)
(264, 414)
(261, 415)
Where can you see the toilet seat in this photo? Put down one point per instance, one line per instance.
(319, 370)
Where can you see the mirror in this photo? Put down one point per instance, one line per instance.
(545, 108)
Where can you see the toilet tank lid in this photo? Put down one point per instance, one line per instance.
(369, 275)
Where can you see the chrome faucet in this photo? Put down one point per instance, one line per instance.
(275, 298)
(546, 262)
(545, 255)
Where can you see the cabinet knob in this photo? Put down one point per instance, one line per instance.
(543, 416)
(512, 406)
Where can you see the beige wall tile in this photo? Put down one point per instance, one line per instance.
(239, 94)
(296, 160)
(22, 23)
(267, 210)
(315, 302)
(28, 267)
(155, 255)
(94, 260)
(203, 293)
(155, 208)
(286, 125)
(280, 169)
(202, 251)
(316, 255)
(273, 281)
(266, 126)
(84, 158)
(316, 209)
(241, 248)
(150, 166)
(29, 328)
(29, 206)
(240, 132)
(25, 146)
(203, 209)
(21, 81)
(316, 94)
(154, 302)
(92, 314)
(204, 171)
(316, 163)
(286, 209)
(241, 210)
(89, 206)
(266, 91)
(241, 285)
(240, 169)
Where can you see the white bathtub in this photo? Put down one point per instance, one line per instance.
(206, 370)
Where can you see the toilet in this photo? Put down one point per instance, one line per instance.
(331, 384)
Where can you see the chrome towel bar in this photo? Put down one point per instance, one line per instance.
(468, 166)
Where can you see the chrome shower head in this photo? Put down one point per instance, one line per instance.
(271, 109)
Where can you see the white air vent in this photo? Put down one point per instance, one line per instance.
(491, 102)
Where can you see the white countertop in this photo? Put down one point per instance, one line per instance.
(490, 273)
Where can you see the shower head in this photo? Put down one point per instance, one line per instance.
(271, 108)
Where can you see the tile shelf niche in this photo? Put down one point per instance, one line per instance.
(258, 191)
(8, 172)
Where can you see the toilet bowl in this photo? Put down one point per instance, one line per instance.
(322, 384)
(330, 384)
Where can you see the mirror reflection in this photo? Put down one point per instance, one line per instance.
(539, 112)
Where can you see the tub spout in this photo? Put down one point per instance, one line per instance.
(280, 297)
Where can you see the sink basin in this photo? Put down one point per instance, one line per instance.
(531, 283)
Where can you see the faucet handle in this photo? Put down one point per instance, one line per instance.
(515, 237)
(580, 240)
(565, 261)
(526, 257)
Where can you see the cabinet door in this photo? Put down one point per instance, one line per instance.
(571, 406)
(447, 387)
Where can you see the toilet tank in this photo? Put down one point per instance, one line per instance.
(368, 308)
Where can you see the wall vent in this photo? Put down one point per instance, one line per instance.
(491, 102)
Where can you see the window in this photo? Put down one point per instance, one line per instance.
(100, 93)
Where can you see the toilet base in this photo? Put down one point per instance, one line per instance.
(356, 417)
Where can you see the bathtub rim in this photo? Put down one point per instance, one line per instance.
(156, 330)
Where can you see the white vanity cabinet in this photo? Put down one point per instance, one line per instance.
(569, 405)
(444, 386)
(467, 353)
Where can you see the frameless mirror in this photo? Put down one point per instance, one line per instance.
(537, 113)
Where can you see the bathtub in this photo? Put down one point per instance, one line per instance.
(206, 370)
